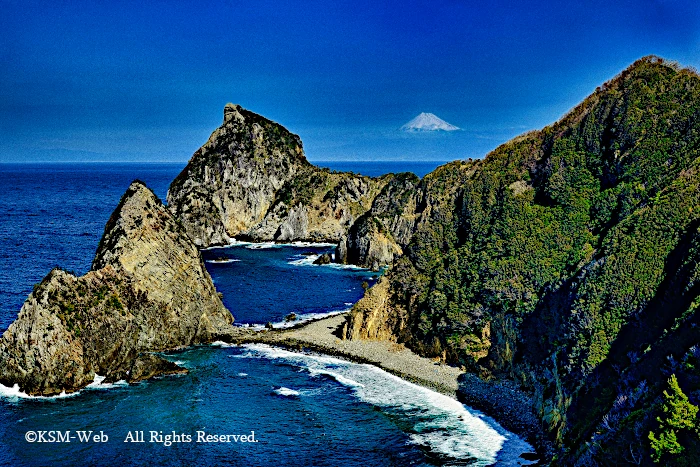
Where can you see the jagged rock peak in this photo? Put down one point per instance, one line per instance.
(143, 239)
(232, 111)
(230, 183)
(139, 211)
(236, 117)
(147, 291)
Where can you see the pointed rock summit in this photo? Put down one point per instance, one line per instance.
(147, 291)
(428, 122)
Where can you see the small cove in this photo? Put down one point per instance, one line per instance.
(304, 410)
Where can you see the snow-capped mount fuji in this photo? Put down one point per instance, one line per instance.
(428, 122)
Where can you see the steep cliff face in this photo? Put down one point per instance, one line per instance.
(230, 183)
(411, 208)
(317, 205)
(380, 234)
(147, 291)
(373, 316)
(143, 240)
(567, 260)
(252, 180)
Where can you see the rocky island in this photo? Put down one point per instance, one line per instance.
(252, 181)
(563, 267)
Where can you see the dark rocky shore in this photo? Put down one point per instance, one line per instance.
(502, 401)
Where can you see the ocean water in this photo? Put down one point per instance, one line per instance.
(255, 278)
(54, 215)
(299, 409)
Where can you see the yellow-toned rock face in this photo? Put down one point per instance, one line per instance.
(252, 179)
(147, 291)
(372, 318)
(144, 240)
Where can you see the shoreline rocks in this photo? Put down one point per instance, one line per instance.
(502, 400)
(147, 291)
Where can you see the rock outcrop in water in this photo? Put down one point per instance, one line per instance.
(251, 180)
(147, 291)
(380, 234)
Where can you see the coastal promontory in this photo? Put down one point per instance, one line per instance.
(565, 265)
(252, 180)
(147, 291)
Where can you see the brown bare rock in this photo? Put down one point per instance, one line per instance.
(252, 180)
(147, 291)
(372, 317)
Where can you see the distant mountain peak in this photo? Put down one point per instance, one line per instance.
(428, 122)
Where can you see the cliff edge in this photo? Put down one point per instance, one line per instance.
(147, 291)
(567, 260)
(251, 180)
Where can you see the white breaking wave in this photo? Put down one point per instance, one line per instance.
(266, 245)
(13, 393)
(309, 244)
(308, 260)
(301, 318)
(98, 382)
(263, 245)
(222, 344)
(223, 261)
(286, 392)
(439, 423)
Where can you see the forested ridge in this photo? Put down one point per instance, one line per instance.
(568, 260)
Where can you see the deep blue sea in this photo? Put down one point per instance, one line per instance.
(302, 410)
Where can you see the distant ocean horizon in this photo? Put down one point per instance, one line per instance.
(364, 167)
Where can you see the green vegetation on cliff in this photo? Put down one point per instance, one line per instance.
(252, 180)
(679, 420)
(568, 260)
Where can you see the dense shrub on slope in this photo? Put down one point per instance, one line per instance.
(568, 260)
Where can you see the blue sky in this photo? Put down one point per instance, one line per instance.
(147, 80)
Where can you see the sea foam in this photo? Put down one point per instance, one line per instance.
(301, 318)
(437, 422)
(266, 245)
(14, 394)
(308, 260)
(286, 392)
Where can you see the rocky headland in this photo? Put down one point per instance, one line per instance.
(147, 291)
(564, 262)
(251, 181)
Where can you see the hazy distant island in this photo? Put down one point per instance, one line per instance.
(558, 276)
